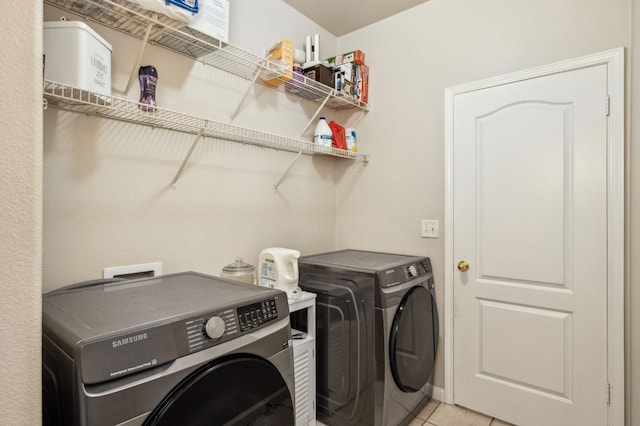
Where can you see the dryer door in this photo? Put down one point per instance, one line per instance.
(231, 391)
(414, 339)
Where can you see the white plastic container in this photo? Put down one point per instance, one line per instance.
(350, 139)
(212, 19)
(76, 55)
(279, 269)
(323, 136)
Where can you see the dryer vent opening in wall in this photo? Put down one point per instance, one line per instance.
(131, 272)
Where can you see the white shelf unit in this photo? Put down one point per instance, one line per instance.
(157, 29)
(304, 362)
(86, 102)
(160, 30)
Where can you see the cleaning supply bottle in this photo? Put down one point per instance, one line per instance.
(350, 136)
(279, 269)
(322, 135)
(148, 76)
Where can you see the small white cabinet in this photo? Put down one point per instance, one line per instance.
(304, 359)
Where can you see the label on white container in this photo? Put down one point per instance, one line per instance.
(268, 273)
(101, 71)
(190, 5)
(323, 140)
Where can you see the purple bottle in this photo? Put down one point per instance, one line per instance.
(148, 76)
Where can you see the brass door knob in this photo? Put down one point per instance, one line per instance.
(463, 265)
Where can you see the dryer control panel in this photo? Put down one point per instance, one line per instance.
(405, 273)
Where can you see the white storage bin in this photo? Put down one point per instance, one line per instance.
(76, 55)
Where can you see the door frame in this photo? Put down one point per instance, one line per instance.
(614, 59)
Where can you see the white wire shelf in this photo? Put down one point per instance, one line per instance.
(178, 37)
(82, 101)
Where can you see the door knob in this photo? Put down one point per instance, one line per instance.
(463, 265)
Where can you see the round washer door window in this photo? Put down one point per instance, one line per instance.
(413, 340)
(233, 391)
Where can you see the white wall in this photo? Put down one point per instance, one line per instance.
(107, 200)
(20, 212)
(255, 25)
(413, 57)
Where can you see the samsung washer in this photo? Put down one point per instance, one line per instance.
(377, 335)
(183, 349)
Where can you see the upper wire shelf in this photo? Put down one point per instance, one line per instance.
(82, 101)
(130, 19)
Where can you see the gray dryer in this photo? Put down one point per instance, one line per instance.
(377, 335)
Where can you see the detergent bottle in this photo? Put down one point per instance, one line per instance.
(279, 269)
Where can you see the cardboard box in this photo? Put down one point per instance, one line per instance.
(77, 56)
(344, 78)
(281, 53)
(361, 83)
(212, 19)
(357, 56)
(320, 73)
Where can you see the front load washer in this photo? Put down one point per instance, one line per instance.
(183, 349)
(377, 321)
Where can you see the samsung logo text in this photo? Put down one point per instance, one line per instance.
(130, 339)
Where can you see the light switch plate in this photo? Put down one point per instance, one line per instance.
(429, 228)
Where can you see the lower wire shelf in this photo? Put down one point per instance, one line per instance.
(82, 101)
(70, 98)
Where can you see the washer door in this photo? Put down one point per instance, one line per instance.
(414, 339)
(232, 391)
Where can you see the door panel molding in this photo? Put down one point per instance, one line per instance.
(614, 60)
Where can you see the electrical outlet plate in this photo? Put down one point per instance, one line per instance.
(429, 228)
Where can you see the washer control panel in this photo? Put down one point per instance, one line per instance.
(256, 314)
(206, 330)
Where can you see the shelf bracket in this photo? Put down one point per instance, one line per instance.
(246, 93)
(136, 65)
(313, 118)
(293, 163)
(186, 158)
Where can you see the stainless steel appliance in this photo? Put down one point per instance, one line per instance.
(183, 349)
(377, 335)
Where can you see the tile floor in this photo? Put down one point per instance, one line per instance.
(437, 413)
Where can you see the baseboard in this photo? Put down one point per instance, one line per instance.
(438, 393)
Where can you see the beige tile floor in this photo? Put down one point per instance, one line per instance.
(437, 413)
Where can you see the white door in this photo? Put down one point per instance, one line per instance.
(529, 216)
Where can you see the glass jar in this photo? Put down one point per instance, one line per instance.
(240, 271)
